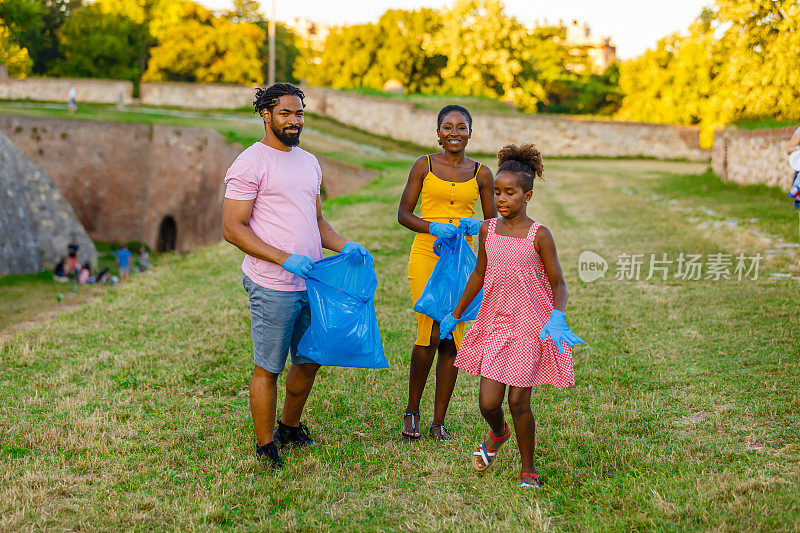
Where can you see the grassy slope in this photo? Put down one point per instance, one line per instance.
(241, 131)
(133, 410)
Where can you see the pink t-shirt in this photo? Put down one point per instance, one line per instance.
(284, 186)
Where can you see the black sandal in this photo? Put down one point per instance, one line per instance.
(443, 434)
(409, 436)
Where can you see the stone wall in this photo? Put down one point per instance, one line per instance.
(197, 95)
(36, 222)
(191, 95)
(554, 135)
(753, 156)
(55, 90)
(123, 180)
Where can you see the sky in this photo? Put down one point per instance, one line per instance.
(633, 25)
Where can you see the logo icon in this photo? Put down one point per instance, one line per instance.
(591, 266)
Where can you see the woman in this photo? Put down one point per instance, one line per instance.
(447, 185)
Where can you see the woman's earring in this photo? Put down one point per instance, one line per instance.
(440, 142)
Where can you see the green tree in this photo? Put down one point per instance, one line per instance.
(204, 47)
(738, 60)
(763, 40)
(349, 52)
(286, 52)
(399, 46)
(42, 39)
(18, 19)
(473, 48)
(99, 45)
(14, 57)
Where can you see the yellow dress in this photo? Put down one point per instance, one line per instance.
(440, 201)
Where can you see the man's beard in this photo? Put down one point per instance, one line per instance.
(289, 139)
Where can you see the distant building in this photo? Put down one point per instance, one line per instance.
(589, 51)
(312, 34)
(596, 52)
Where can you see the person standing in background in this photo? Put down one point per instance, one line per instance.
(72, 255)
(123, 256)
(72, 97)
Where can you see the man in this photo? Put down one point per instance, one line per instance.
(273, 213)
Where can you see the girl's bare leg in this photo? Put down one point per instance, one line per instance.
(519, 402)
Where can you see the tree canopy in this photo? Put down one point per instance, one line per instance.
(737, 60)
(472, 48)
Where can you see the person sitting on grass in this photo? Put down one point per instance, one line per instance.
(143, 260)
(124, 257)
(61, 270)
(85, 274)
(103, 276)
(524, 298)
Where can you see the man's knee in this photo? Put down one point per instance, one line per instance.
(309, 370)
(259, 374)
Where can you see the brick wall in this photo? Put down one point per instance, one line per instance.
(36, 222)
(753, 156)
(122, 180)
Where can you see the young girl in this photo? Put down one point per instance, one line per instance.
(524, 297)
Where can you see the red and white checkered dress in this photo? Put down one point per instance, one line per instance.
(503, 344)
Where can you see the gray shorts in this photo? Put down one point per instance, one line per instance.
(278, 320)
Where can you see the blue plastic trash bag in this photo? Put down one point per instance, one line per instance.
(448, 279)
(344, 328)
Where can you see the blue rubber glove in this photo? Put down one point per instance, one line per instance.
(470, 225)
(352, 247)
(447, 325)
(558, 330)
(440, 229)
(299, 265)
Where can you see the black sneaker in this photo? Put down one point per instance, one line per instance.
(302, 437)
(269, 452)
(298, 436)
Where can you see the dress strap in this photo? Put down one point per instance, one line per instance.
(477, 168)
(532, 231)
(492, 225)
(430, 169)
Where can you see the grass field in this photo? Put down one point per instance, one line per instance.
(131, 412)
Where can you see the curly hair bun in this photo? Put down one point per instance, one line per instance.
(525, 161)
(527, 154)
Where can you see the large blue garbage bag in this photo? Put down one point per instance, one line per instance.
(448, 279)
(344, 328)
